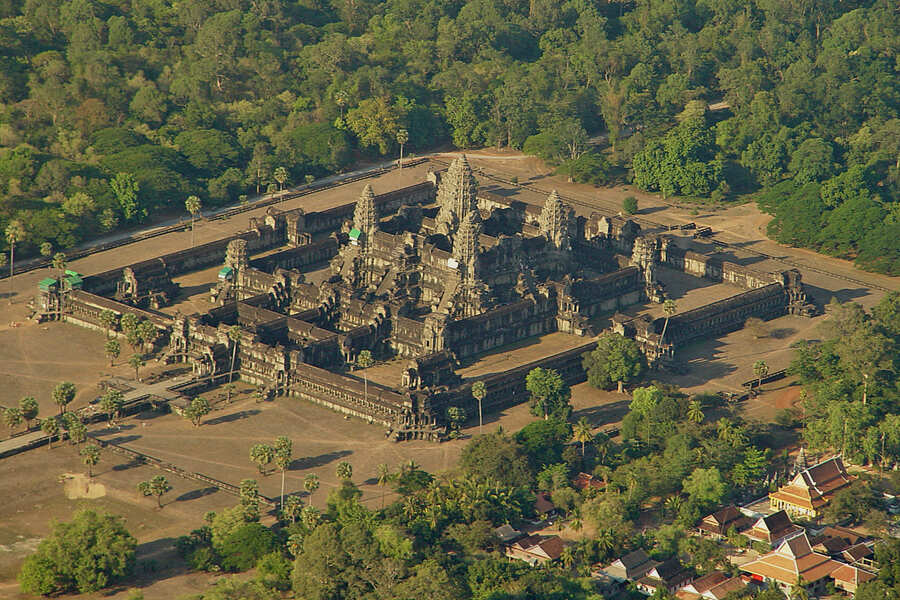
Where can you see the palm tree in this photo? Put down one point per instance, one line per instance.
(311, 484)
(364, 361)
(799, 591)
(344, 471)
(262, 455)
(59, 263)
(29, 408)
(384, 477)
(284, 449)
(760, 369)
(402, 138)
(695, 412)
(112, 349)
(111, 403)
(90, 456)
(12, 416)
(15, 233)
(63, 393)
(340, 98)
(673, 504)
(582, 432)
(136, 361)
(479, 391)
(192, 204)
(107, 319)
(281, 176)
(290, 508)
(157, 486)
(46, 249)
(234, 334)
(669, 309)
(50, 426)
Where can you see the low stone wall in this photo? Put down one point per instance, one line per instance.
(726, 315)
(508, 388)
(714, 268)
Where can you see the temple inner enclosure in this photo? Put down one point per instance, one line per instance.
(438, 281)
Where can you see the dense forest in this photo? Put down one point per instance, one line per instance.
(111, 110)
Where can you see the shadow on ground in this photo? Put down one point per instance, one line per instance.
(195, 494)
(311, 462)
(232, 417)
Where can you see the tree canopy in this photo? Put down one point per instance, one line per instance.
(84, 555)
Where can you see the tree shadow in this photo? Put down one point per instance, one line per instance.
(122, 439)
(195, 494)
(603, 414)
(311, 462)
(782, 333)
(821, 296)
(133, 463)
(232, 417)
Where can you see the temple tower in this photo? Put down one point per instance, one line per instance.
(466, 244)
(555, 222)
(365, 217)
(456, 196)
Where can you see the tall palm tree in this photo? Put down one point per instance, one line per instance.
(402, 138)
(192, 204)
(582, 432)
(695, 411)
(136, 361)
(669, 308)
(59, 263)
(479, 391)
(760, 369)
(384, 477)
(281, 176)
(107, 319)
(90, 456)
(284, 449)
(311, 484)
(50, 426)
(15, 233)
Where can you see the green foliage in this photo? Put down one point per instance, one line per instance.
(682, 162)
(543, 441)
(629, 205)
(85, 555)
(244, 546)
(495, 457)
(550, 395)
(616, 359)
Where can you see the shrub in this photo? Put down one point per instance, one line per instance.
(629, 205)
(85, 555)
(245, 546)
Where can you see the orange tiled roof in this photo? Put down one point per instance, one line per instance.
(793, 559)
(849, 574)
(812, 489)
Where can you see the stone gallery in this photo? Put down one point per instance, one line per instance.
(433, 274)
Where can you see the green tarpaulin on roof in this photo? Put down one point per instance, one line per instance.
(355, 233)
(47, 284)
(225, 273)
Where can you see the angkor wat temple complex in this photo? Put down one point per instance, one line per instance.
(431, 274)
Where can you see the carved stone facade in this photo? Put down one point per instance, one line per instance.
(432, 273)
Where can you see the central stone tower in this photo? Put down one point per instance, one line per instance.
(456, 196)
